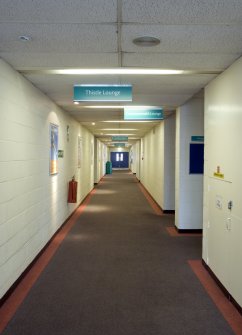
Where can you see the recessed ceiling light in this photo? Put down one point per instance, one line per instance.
(93, 123)
(25, 38)
(146, 41)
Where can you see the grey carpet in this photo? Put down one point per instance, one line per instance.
(118, 272)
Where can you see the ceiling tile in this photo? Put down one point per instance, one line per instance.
(64, 38)
(188, 61)
(168, 84)
(60, 60)
(182, 11)
(185, 38)
(171, 101)
(61, 83)
(55, 11)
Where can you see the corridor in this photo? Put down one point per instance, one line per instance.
(119, 272)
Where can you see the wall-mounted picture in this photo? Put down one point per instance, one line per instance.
(53, 148)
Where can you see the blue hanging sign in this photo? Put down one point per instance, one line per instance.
(149, 114)
(119, 145)
(102, 93)
(119, 138)
(197, 138)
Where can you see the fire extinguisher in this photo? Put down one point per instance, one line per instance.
(72, 191)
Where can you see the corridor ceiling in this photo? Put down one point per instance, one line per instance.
(202, 36)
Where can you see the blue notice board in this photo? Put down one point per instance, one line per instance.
(196, 158)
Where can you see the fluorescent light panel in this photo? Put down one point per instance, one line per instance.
(102, 107)
(118, 71)
(116, 106)
(122, 121)
(118, 129)
(120, 134)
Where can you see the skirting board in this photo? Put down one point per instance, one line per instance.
(225, 291)
(189, 231)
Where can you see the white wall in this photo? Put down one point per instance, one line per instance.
(100, 159)
(33, 204)
(157, 163)
(137, 159)
(135, 155)
(189, 187)
(169, 162)
(222, 247)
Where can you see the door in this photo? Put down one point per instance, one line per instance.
(219, 228)
(120, 160)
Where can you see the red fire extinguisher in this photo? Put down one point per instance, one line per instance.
(72, 191)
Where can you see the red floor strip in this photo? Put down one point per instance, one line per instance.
(229, 312)
(151, 201)
(174, 233)
(16, 298)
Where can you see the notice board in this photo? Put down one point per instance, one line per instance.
(196, 158)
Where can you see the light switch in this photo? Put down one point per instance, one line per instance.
(219, 202)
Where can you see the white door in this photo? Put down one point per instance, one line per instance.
(219, 229)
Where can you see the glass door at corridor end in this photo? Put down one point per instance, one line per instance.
(120, 160)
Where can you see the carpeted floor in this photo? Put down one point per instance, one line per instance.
(119, 272)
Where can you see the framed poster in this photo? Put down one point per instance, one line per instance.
(79, 151)
(53, 148)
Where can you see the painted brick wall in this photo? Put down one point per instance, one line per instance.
(189, 187)
(156, 172)
(33, 204)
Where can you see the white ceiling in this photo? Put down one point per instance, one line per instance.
(198, 35)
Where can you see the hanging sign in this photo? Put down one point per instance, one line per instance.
(197, 138)
(119, 145)
(132, 113)
(102, 93)
(119, 138)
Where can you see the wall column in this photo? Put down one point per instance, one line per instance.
(188, 187)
